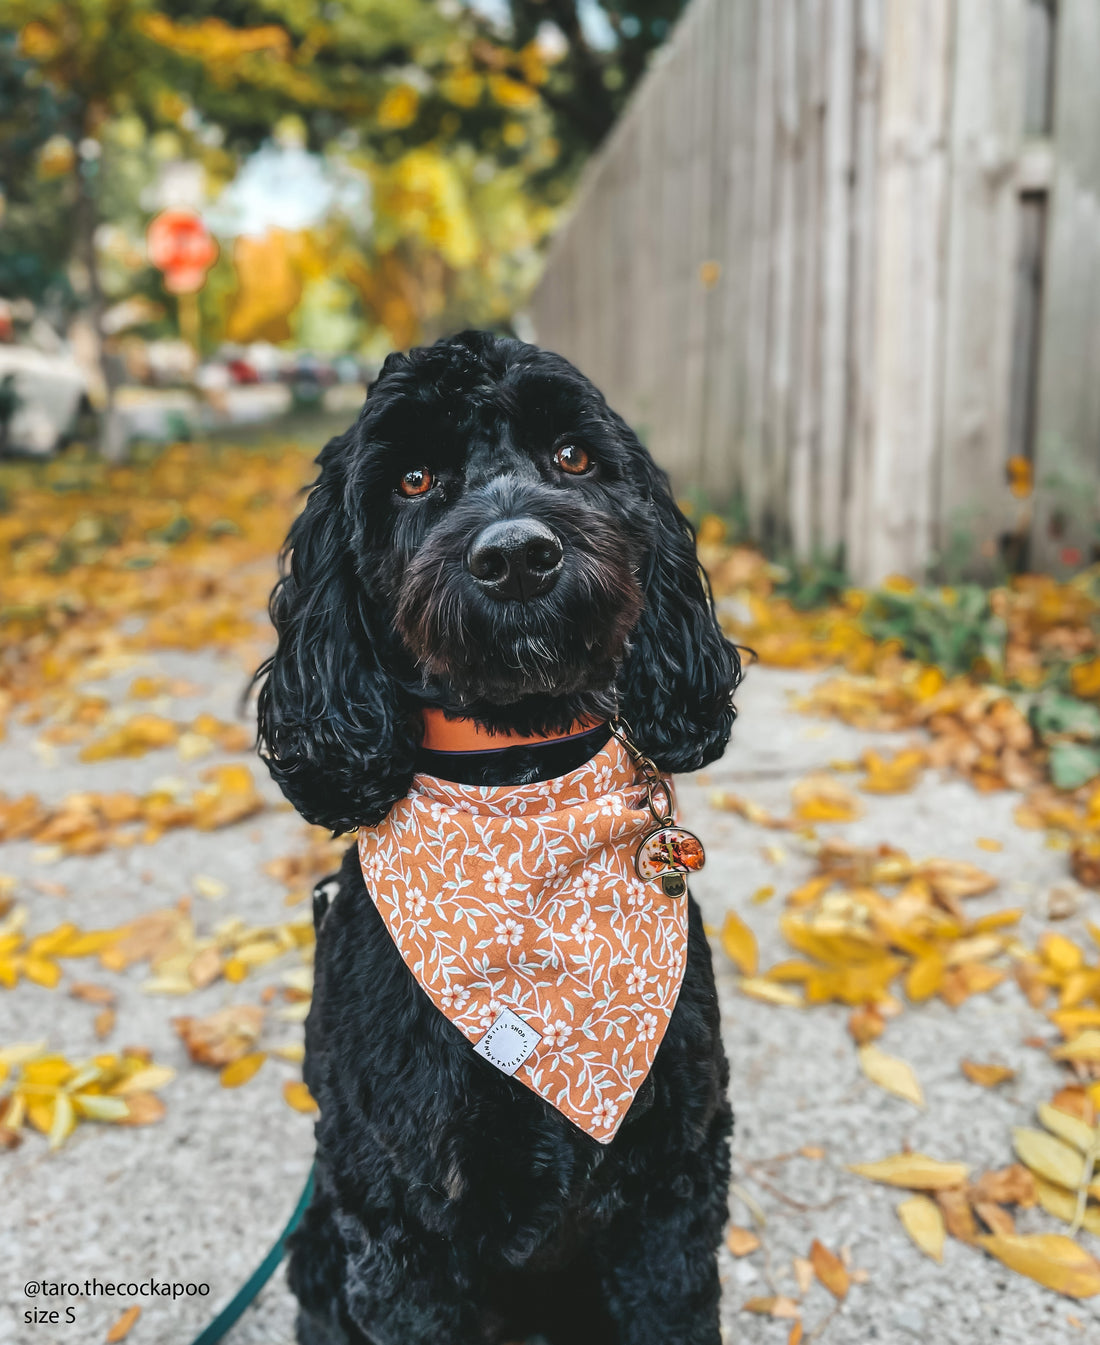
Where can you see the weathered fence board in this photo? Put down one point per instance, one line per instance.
(983, 222)
(841, 259)
(1067, 438)
(864, 259)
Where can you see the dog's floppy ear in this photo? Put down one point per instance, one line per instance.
(676, 689)
(332, 726)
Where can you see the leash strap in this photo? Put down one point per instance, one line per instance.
(227, 1318)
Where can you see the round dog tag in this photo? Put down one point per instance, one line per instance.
(669, 850)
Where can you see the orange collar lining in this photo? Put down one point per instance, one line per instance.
(466, 735)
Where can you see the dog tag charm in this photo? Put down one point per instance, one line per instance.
(667, 853)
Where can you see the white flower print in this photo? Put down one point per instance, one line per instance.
(587, 883)
(558, 1034)
(497, 881)
(533, 902)
(583, 929)
(455, 997)
(510, 931)
(636, 979)
(604, 1113)
(635, 892)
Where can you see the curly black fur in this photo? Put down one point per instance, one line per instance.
(453, 1205)
(376, 614)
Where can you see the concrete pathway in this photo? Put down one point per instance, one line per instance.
(199, 1197)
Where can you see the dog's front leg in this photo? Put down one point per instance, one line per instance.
(661, 1282)
(659, 1259)
(407, 1287)
(371, 1279)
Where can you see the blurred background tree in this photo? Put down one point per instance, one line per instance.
(607, 47)
(465, 125)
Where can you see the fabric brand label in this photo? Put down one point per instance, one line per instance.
(508, 1042)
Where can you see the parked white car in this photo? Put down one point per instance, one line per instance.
(50, 393)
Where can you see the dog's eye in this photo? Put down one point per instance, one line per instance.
(572, 459)
(416, 482)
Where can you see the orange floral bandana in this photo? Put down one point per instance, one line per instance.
(519, 912)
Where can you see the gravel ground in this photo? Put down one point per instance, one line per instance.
(199, 1197)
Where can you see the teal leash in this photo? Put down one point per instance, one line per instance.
(229, 1315)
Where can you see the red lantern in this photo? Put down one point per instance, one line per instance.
(181, 246)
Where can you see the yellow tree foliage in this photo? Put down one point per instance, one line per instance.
(270, 275)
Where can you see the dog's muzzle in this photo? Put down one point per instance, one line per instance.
(516, 559)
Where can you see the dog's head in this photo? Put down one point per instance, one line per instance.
(489, 537)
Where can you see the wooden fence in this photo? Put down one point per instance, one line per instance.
(840, 262)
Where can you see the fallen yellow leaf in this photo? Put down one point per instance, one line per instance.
(995, 1217)
(771, 993)
(143, 1080)
(121, 1329)
(1084, 1048)
(821, 798)
(925, 977)
(298, 1096)
(741, 1241)
(1051, 1259)
(143, 1109)
(866, 1024)
(1069, 1128)
(1063, 1205)
(892, 775)
(239, 1072)
(1014, 1185)
(42, 971)
(958, 1217)
(891, 1074)
(829, 1269)
(1049, 1157)
(97, 1107)
(739, 943)
(803, 1274)
(20, 1052)
(64, 1120)
(987, 1076)
(776, 1305)
(923, 1221)
(1060, 953)
(916, 1171)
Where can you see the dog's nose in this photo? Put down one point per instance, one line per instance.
(517, 558)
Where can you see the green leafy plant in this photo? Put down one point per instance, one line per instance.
(813, 583)
(955, 629)
(1070, 728)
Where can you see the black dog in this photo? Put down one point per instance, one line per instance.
(492, 539)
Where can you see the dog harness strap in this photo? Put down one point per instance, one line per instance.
(521, 914)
